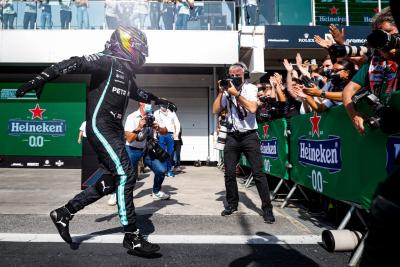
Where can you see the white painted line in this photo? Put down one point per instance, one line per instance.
(171, 239)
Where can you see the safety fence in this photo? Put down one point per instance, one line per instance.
(324, 153)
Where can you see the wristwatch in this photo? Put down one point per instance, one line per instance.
(136, 132)
(323, 94)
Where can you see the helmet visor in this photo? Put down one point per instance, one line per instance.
(132, 45)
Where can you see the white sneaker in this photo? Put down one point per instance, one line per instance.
(113, 200)
(160, 196)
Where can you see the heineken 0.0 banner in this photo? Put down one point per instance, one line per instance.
(330, 157)
(274, 148)
(45, 127)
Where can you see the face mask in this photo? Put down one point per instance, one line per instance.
(237, 81)
(336, 80)
(327, 72)
(148, 108)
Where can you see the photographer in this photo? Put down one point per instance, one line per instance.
(380, 74)
(240, 98)
(166, 116)
(137, 134)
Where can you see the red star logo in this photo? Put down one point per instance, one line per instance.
(376, 10)
(37, 112)
(334, 10)
(265, 128)
(315, 121)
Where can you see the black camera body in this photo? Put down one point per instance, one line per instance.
(150, 120)
(154, 147)
(385, 117)
(236, 81)
(380, 39)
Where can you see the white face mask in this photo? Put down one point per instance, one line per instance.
(148, 108)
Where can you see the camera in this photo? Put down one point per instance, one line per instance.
(225, 82)
(149, 120)
(221, 139)
(384, 117)
(347, 50)
(380, 39)
(154, 147)
(236, 81)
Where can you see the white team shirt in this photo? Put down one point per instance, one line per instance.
(168, 119)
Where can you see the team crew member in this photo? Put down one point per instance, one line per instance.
(168, 119)
(240, 98)
(112, 84)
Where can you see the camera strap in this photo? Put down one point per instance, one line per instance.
(241, 112)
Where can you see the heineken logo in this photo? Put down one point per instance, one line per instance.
(321, 153)
(269, 148)
(392, 152)
(36, 125)
(51, 127)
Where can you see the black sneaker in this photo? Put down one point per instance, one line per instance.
(136, 243)
(229, 211)
(268, 216)
(61, 218)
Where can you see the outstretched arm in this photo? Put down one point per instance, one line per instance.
(85, 64)
(141, 95)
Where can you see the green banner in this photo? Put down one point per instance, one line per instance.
(360, 11)
(274, 148)
(45, 127)
(330, 157)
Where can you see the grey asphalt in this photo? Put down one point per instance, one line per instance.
(28, 195)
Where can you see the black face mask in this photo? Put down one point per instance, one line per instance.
(327, 72)
(337, 81)
(237, 81)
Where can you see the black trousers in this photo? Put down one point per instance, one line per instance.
(107, 140)
(250, 146)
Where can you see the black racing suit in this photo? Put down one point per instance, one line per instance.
(112, 84)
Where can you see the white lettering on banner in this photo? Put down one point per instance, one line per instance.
(17, 127)
(268, 149)
(320, 154)
(267, 165)
(332, 19)
(317, 181)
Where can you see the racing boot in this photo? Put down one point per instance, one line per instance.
(139, 246)
(61, 218)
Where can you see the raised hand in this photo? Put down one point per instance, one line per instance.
(287, 65)
(299, 60)
(323, 42)
(338, 35)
